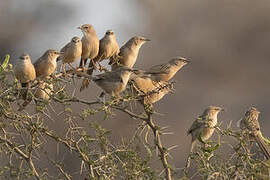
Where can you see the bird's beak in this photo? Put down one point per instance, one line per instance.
(60, 53)
(222, 109)
(79, 27)
(188, 61)
(147, 39)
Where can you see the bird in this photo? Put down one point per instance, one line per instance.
(203, 126)
(149, 90)
(250, 124)
(25, 72)
(108, 48)
(46, 64)
(113, 82)
(128, 53)
(166, 71)
(90, 44)
(44, 91)
(70, 52)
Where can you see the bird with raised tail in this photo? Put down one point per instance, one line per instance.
(128, 53)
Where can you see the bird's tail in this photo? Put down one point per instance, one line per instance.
(191, 150)
(24, 91)
(262, 145)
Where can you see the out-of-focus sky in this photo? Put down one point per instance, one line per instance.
(227, 41)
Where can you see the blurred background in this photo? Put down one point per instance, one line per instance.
(227, 41)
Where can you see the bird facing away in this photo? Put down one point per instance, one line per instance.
(71, 52)
(150, 90)
(129, 52)
(166, 71)
(108, 48)
(203, 126)
(251, 124)
(46, 64)
(44, 91)
(113, 82)
(25, 72)
(90, 44)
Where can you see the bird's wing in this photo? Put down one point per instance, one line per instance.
(36, 64)
(158, 69)
(108, 76)
(199, 122)
(119, 56)
(65, 47)
(63, 50)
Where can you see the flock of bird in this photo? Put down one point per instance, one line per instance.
(114, 82)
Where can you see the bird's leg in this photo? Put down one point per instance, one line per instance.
(83, 64)
(63, 67)
(73, 68)
(94, 64)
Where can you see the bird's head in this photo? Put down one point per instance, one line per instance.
(139, 40)
(25, 56)
(87, 29)
(213, 110)
(252, 112)
(179, 61)
(52, 54)
(75, 40)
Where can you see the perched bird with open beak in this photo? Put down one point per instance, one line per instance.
(250, 124)
(113, 82)
(46, 64)
(25, 72)
(90, 44)
(71, 52)
(166, 71)
(128, 53)
(203, 126)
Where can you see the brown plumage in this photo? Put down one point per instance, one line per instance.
(149, 90)
(25, 72)
(43, 91)
(250, 123)
(108, 48)
(128, 53)
(46, 64)
(203, 126)
(114, 82)
(166, 71)
(90, 44)
(71, 52)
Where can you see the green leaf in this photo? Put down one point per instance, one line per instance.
(5, 63)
